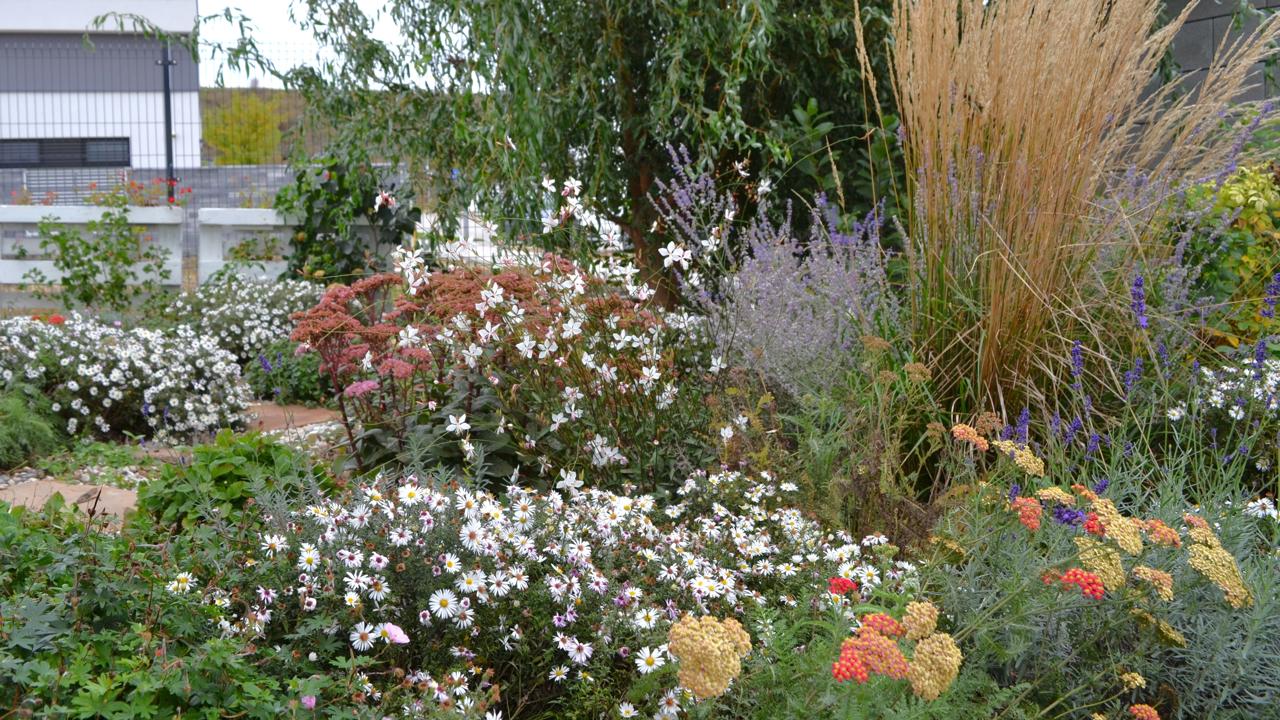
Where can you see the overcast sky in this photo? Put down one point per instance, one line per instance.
(278, 37)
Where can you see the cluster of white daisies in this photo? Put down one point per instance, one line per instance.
(108, 380)
(585, 578)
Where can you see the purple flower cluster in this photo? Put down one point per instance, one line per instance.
(1138, 295)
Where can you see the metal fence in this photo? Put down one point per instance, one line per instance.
(78, 117)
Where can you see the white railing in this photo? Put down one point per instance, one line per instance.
(20, 250)
(255, 240)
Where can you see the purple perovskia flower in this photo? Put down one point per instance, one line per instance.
(1138, 295)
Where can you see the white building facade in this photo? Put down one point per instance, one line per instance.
(65, 103)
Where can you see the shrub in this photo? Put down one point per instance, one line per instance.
(1039, 159)
(221, 478)
(108, 380)
(1235, 247)
(244, 317)
(27, 427)
(96, 623)
(348, 219)
(287, 372)
(568, 597)
(545, 370)
(113, 268)
(1075, 589)
(791, 308)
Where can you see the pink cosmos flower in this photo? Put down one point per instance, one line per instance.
(394, 634)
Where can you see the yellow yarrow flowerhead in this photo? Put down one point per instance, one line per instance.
(1216, 564)
(1022, 457)
(1167, 632)
(710, 652)
(1211, 560)
(1101, 560)
(934, 667)
(1158, 579)
(920, 620)
(1125, 531)
(1133, 681)
(1056, 495)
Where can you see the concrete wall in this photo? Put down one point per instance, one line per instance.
(1208, 24)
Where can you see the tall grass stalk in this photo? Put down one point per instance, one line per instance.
(1027, 126)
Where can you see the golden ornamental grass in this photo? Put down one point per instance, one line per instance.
(1017, 114)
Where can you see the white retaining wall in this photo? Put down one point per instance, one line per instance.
(220, 231)
(19, 231)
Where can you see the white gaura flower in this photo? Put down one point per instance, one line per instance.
(458, 424)
(674, 254)
(648, 660)
(444, 604)
(409, 336)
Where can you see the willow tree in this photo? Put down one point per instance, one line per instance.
(493, 95)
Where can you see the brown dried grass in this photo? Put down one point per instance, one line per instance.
(1017, 115)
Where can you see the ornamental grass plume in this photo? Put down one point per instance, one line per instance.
(710, 653)
(920, 620)
(1101, 560)
(1018, 121)
(934, 666)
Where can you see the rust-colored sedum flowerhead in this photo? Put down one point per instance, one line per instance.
(710, 653)
(935, 666)
(920, 620)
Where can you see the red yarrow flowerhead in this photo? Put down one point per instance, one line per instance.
(1093, 525)
(1090, 585)
(1029, 512)
(841, 585)
(883, 624)
(849, 667)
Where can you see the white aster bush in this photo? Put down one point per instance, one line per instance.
(561, 594)
(245, 316)
(108, 380)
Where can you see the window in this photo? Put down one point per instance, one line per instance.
(64, 153)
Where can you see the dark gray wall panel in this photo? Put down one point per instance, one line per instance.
(61, 63)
